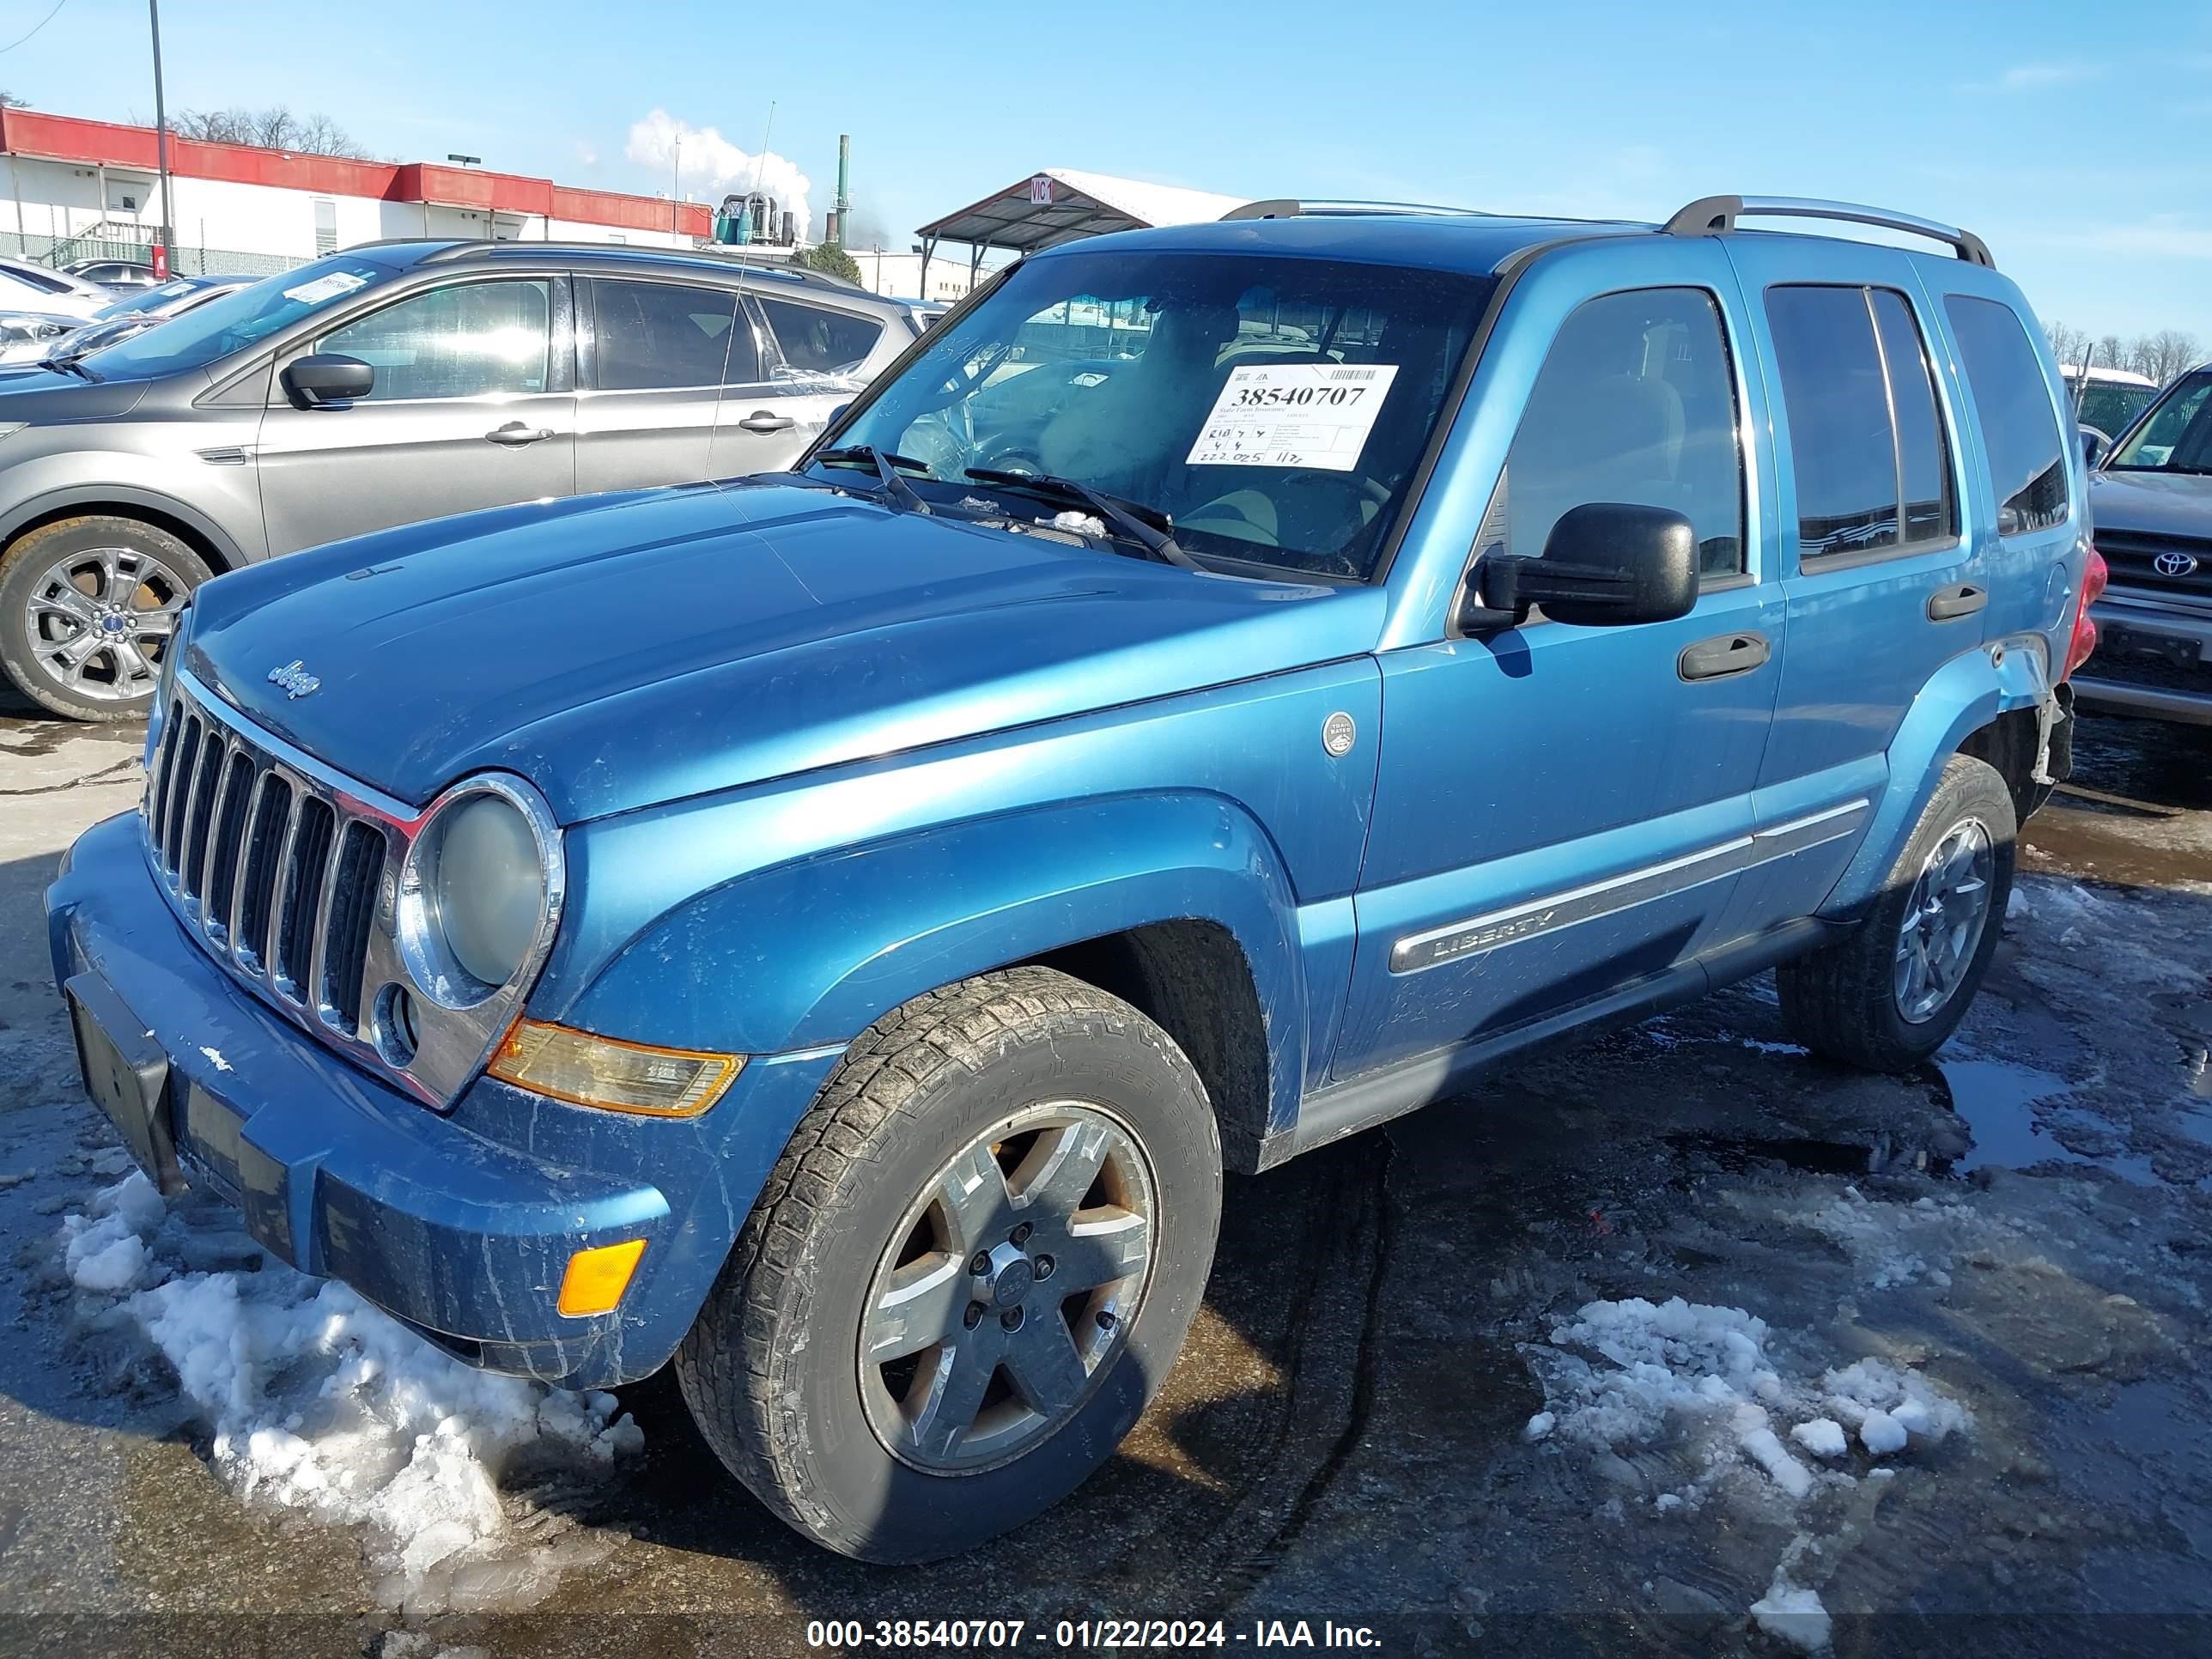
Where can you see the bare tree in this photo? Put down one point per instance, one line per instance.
(10, 100)
(2069, 345)
(2164, 355)
(2111, 353)
(274, 128)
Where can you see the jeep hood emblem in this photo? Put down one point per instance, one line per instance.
(294, 679)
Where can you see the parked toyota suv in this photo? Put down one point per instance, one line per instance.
(2152, 501)
(832, 929)
(381, 385)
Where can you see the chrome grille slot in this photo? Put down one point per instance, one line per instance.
(229, 836)
(262, 856)
(180, 789)
(284, 870)
(301, 924)
(199, 811)
(352, 902)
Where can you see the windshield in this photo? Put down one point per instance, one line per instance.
(237, 320)
(2177, 436)
(146, 298)
(1273, 409)
(2111, 407)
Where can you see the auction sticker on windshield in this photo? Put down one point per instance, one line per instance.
(1308, 414)
(326, 287)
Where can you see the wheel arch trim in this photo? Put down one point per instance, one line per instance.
(1961, 698)
(808, 954)
(120, 500)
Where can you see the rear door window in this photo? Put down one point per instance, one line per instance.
(1867, 445)
(2012, 400)
(819, 339)
(660, 335)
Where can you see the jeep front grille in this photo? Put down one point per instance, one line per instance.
(276, 868)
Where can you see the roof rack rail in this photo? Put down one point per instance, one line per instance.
(1710, 215)
(1290, 207)
(531, 248)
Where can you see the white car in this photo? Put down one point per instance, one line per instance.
(27, 287)
(123, 315)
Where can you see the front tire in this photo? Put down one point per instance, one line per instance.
(88, 606)
(969, 1274)
(1890, 993)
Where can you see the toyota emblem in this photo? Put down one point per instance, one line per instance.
(2174, 564)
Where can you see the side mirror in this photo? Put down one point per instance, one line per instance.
(2094, 446)
(325, 377)
(1605, 564)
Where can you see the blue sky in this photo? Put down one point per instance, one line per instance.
(2071, 136)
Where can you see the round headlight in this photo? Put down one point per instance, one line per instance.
(488, 887)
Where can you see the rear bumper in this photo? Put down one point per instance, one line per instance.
(460, 1224)
(2151, 660)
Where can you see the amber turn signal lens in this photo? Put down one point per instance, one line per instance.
(622, 1076)
(596, 1278)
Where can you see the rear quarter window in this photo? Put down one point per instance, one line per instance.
(2012, 402)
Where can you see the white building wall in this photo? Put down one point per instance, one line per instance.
(899, 275)
(62, 199)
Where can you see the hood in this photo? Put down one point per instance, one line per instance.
(47, 397)
(2151, 503)
(621, 651)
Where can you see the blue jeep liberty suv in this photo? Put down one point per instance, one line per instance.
(1222, 687)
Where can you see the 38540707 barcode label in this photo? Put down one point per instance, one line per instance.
(1304, 415)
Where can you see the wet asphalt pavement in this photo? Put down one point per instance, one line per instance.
(2023, 1225)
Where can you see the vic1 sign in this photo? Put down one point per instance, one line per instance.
(1041, 192)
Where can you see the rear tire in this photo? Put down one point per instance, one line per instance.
(1889, 993)
(88, 605)
(938, 1320)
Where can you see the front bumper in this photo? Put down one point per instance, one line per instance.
(2151, 658)
(461, 1224)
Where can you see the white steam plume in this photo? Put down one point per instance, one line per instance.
(712, 167)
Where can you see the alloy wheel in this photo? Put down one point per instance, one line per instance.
(1007, 1289)
(1948, 908)
(99, 621)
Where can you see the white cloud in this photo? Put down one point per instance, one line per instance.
(587, 155)
(2034, 77)
(712, 166)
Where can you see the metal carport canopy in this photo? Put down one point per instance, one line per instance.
(1063, 204)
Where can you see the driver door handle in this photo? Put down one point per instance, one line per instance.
(1961, 599)
(1718, 658)
(514, 434)
(765, 420)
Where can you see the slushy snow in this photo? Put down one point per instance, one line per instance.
(1823, 1437)
(1683, 1367)
(1793, 1614)
(316, 1400)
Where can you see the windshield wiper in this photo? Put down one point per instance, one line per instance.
(69, 366)
(1134, 522)
(887, 466)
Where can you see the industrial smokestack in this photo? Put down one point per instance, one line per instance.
(844, 196)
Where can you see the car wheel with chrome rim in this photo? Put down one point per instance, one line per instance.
(969, 1274)
(1888, 994)
(88, 608)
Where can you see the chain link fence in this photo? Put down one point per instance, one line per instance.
(58, 251)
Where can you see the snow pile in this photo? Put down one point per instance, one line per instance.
(315, 1400)
(1887, 1405)
(1897, 1244)
(1793, 1613)
(1702, 1374)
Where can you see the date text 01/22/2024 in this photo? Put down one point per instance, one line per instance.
(1010, 1635)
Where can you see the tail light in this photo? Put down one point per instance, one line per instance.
(2095, 575)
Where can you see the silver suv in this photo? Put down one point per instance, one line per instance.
(380, 386)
